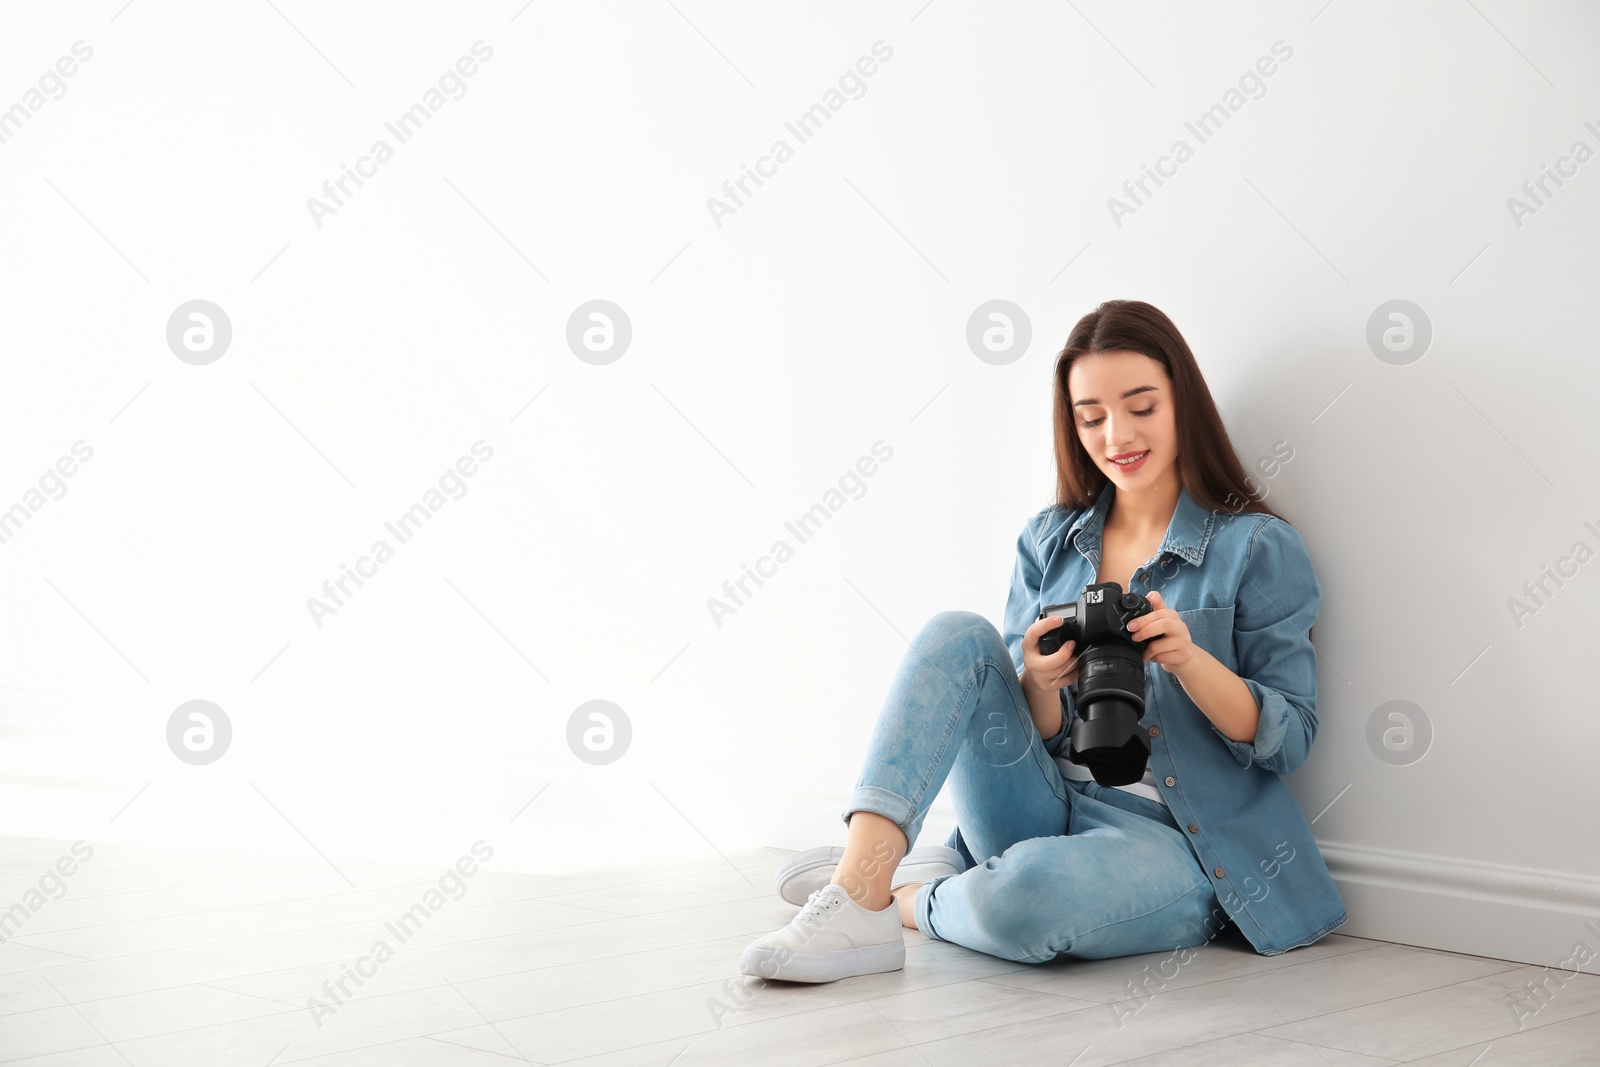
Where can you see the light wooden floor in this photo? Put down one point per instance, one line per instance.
(156, 958)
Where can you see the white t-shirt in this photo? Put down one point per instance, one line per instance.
(1144, 787)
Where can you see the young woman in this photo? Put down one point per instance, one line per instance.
(1047, 862)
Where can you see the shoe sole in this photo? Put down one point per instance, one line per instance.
(786, 966)
(812, 869)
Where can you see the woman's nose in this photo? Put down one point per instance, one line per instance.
(1119, 433)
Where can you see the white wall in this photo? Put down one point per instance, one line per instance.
(769, 352)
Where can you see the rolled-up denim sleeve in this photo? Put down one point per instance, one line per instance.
(1022, 610)
(1278, 601)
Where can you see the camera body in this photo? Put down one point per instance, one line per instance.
(1106, 736)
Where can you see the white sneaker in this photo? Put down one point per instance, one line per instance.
(832, 937)
(814, 868)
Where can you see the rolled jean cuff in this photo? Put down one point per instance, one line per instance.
(892, 806)
(924, 902)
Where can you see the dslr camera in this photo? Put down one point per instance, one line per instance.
(1106, 736)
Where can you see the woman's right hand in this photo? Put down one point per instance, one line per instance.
(1052, 672)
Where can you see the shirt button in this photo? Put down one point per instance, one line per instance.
(1193, 829)
(1155, 731)
(1217, 872)
(1171, 780)
(1143, 575)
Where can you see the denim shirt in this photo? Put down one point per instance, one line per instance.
(1244, 586)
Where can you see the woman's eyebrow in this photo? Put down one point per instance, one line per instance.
(1130, 392)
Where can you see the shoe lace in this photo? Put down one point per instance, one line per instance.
(819, 903)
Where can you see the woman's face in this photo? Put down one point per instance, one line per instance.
(1122, 404)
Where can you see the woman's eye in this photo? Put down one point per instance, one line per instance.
(1097, 422)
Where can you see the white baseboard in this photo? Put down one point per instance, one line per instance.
(1458, 905)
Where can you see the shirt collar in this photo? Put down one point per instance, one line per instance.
(1187, 534)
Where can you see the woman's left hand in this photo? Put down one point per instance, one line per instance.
(1163, 636)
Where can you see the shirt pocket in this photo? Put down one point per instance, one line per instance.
(1212, 630)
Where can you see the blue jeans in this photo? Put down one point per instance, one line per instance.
(1052, 867)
